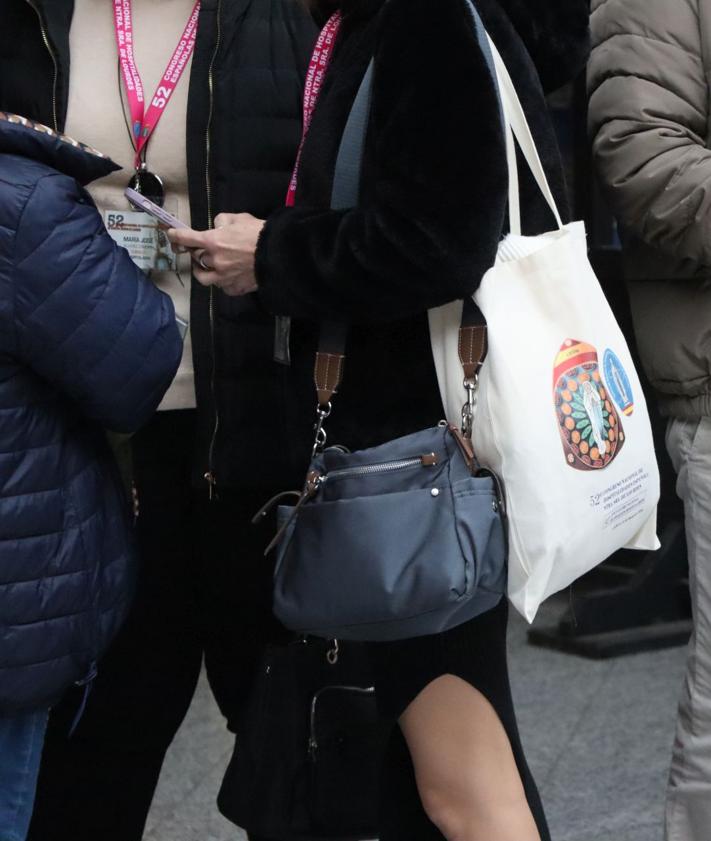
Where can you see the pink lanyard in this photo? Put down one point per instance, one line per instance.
(144, 122)
(320, 62)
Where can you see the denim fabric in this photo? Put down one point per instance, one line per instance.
(21, 740)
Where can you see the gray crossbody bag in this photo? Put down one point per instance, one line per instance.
(398, 541)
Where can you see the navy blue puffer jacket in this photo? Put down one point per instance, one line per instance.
(86, 343)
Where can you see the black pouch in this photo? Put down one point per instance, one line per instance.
(307, 759)
(346, 740)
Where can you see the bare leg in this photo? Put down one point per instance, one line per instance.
(466, 773)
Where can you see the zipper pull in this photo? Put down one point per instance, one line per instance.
(334, 652)
(311, 488)
(211, 480)
(275, 500)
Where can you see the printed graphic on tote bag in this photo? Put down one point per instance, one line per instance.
(590, 427)
(618, 383)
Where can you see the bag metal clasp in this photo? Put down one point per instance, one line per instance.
(471, 384)
(322, 414)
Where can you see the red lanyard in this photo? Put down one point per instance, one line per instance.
(144, 122)
(320, 62)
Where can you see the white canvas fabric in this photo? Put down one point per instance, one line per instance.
(561, 417)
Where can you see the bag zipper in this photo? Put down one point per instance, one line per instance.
(315, 479)
(210, 476)
(429, 460)
(313, 741)
(45, 38)
(311, 488)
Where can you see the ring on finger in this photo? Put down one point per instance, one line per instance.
(200, 260)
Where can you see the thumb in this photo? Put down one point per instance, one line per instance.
(186, 237)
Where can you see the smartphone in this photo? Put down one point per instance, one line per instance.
(140, 202)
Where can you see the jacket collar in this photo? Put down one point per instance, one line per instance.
(19, 136)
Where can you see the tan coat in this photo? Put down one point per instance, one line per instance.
(649, 84)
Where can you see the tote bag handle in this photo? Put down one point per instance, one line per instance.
(515, 125)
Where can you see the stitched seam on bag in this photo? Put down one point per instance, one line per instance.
(511, 520)
(475, 492)
(457, 536)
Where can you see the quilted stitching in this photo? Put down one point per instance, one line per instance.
(95, 344)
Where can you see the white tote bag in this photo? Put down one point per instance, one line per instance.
(560, 415)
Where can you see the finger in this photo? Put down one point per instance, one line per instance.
(205, 278)
(222, 220)
(187, 237)
(202, 260)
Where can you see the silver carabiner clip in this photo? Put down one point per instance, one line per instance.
(471, 384)
(322, 413)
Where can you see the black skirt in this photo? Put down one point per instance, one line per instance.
(474, 652)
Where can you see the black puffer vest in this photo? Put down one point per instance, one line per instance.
(244, 126)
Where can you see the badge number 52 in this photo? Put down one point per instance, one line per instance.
(115, 220)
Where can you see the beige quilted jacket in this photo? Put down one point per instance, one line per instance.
(649, 82)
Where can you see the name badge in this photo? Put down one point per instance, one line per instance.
(147, 245)
(183, 326)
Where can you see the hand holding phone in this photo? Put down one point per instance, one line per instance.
(224, 256)
(140, 202)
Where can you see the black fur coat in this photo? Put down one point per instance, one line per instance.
(433, 198)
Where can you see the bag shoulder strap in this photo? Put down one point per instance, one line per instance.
(515, 125)
(349, 163)
(345, 193)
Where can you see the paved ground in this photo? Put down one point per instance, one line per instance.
(598, 736)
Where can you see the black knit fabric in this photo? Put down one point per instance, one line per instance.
(475, 652)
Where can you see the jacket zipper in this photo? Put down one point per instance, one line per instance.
(210, 476)
(429, 460)
(45, 38)
(355, 690)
